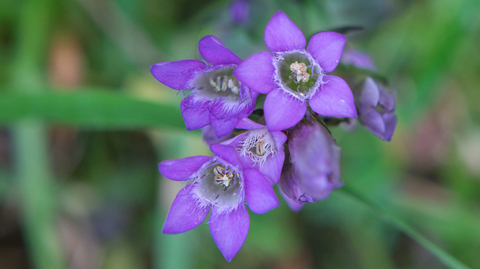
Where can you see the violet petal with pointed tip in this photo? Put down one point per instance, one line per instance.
(227, 153)
(334, 99)
(246, 123)
(176, 74)
(260, 195)
(257, 72)
(184, 214)
(215, 52)
(326, 48)
(283, 111)
(229, 230)
(281, 34)
(181, 169)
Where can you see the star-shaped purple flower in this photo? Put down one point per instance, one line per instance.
(217, 97)
(293, 75)
(260, 149)
(219, 184)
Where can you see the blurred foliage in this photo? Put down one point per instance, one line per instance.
(84, 125)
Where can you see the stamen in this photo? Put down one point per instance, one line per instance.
(299, 72)
(223, 176)
(223, 83)
(258, 145)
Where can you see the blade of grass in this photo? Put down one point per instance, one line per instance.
(33, 176)
(400, 224)
(83, 108)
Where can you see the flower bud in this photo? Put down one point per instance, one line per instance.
(376, 108)
(314, 167)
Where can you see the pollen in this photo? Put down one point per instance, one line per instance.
(299, 72)
(258, 145)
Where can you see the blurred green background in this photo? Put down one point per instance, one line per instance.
(84, 125)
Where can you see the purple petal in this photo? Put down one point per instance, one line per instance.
(390, 123)
(283, 111)
(184, 214)
(234, 142)
(182, 169)
(326, 48)
(272, 168)
(370, 94)
(229, 230)
(246, 123)
(176, 74)
(195, 114)
(373, 121)
(215, 52)
(387, 99)
(257, 72)
(227, 153)
(334, 99)
(260, 195)
(223, 127)
(281, 34)
(294, 206)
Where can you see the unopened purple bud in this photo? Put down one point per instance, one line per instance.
(314, 167)
(239, 11)
(376, 108)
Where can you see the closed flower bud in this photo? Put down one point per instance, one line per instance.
(376, 108)
(314, 167)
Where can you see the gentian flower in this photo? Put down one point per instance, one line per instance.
(314, 167)
(260, 149)
(217, 97)
(376, 108)
(293, 74)
(219, 184)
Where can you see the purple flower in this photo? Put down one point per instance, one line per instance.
(293, 75)
(239, 10)
(314, 167)
(376, 108)
(219, 184)
(217, 97)
(260, 149)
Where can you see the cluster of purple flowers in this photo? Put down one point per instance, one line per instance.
(290, 145)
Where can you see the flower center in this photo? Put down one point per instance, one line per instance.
(297, 74)
(218, 83)
(220, 185)
(258, 145)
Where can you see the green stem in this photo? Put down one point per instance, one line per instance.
(33, 175)
(397, 222)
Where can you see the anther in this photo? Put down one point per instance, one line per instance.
(299, 72)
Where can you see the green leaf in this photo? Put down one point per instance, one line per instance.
(87, 108)
(397, 222)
